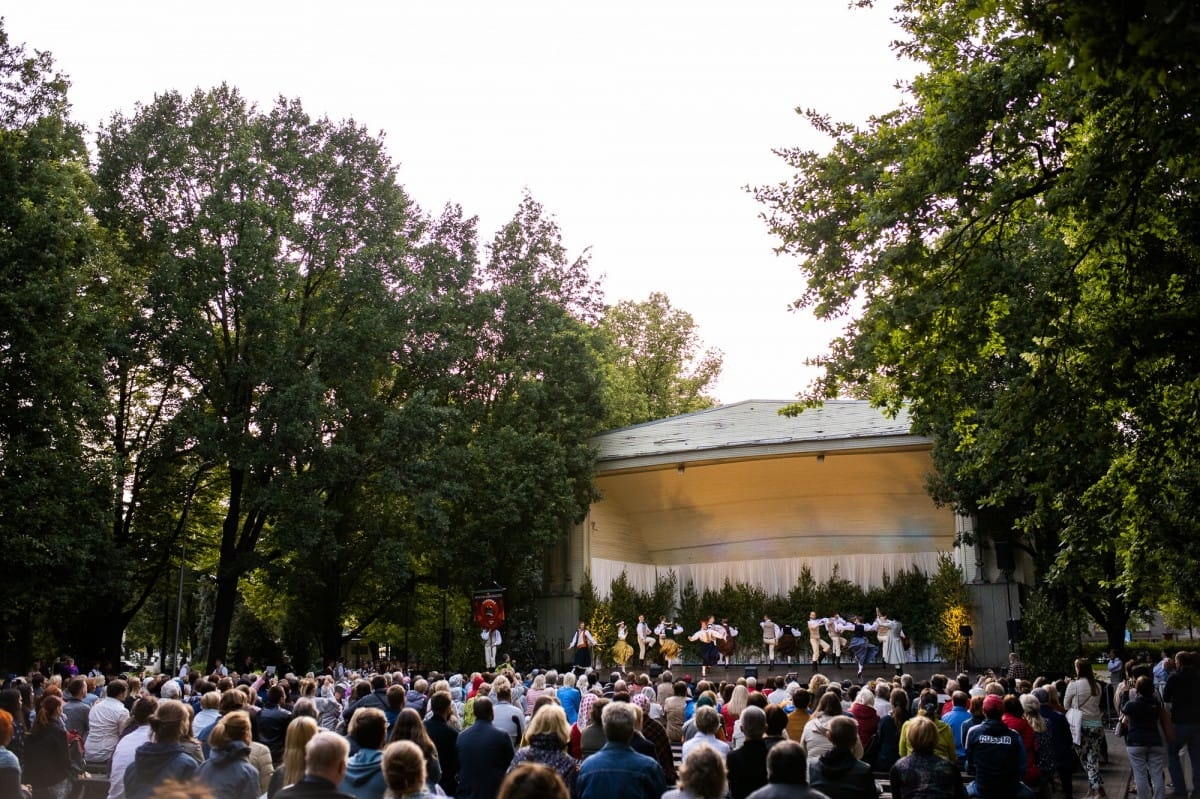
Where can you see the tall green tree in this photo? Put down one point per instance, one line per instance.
(531, 400)
(274, 245)
(655, 365)
(52, 488)
(1020, 238)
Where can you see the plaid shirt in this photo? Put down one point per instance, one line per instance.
(656, 734)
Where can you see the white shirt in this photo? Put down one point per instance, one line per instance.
(643, 630)
(582, 637)
(770, 630)
(491, 637)
(701, 738)
(123, 757)
(106, 719)
(814, 627)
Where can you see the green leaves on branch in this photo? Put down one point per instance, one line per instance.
(1018, 242)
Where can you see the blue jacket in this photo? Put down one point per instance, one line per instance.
(996, 758)
(364, 777)
(228, 772)
(484, 754)
(618, 772)
(155, 763)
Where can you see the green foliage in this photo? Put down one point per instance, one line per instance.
(653, 362)
(1050, 630)
(1018, 241)
(922, 602)
(952, 605)
(53, 483)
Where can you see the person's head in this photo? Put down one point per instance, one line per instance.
(170, 722)
(441, 704)
(1083, 670)
(549, 720)
(960, 698)
(379, 682)
(929, 705)
(409, 727)
(787, 764)
(620, 721)
(707, 719)
(7, 728)
(76, 687)
(922, 735)
(484, 711)
(842, 732)
(368, 726)
(325, 756)
(1144, 687)
(49, 711)
(395, 697)
(300, 731)
(993, 707)
(754, 723)
(702, 773)
(582, 625)
(776, 720)
(829, 704)
(533, 781)
(865, 697)
(116, 689)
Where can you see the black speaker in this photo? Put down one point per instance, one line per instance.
(1014, 629)
(655, 671)
(751, 671)
(965, 631)
(1005, 561)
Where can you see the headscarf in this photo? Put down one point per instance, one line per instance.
(585, 711)
(641, 701)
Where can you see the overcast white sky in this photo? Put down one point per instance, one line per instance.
(636, 124)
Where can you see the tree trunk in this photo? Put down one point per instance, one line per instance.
(224, 605)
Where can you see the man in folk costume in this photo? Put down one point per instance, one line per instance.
(583, 642)
(770, 633)
(819, 644)
(491, 642)
(835, 625)
(644, 639)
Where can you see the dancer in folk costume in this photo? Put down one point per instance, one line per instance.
(819, 645)
(787, 642)
(583, 642)
(770, 633)
(621, 651)
(644, 638)
(862, 649)
(667, 645)
(706, 637)
(891, 640)
(726, 643)
(836, 625)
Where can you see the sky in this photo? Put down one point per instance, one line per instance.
(636, 125)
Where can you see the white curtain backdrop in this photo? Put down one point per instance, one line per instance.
(776, 576)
